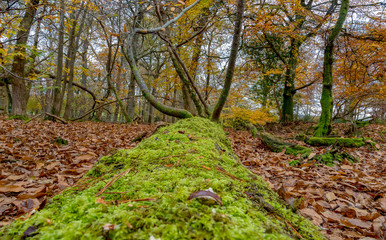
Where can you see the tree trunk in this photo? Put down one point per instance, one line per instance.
(74, 49)
(20, 91)
(3, 100)
(324, 126)
(180, 113)
(150, 118)
(131, 97)
(71, 40)
(188, 94)
(232, 62)
(116, 111)
(57, 103)
(289, 83)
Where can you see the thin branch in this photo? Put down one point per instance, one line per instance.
(275, 50)
(168, 23)
(305, 86)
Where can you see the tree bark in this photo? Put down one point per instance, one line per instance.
(289, 83)
(189, 96)
(232, 62)
(131, 97)
(180, 113)
(74, 49)
(56, 105)
(19, 89)
(324, 126)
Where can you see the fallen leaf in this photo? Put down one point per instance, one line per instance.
(332, 217)
(330, 196)
(31, 231)
(346, 167)
(381, 204)
(11, 188)
(311, 214)
(208, 197)
(355, 223)
(84, 157)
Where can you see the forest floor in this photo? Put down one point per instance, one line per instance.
(348, 201)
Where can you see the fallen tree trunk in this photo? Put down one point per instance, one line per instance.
(184, 182)
(276, 145)
(343, 142)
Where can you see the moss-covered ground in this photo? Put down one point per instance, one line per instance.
(183, 158)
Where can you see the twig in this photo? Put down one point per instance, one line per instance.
(163, 27)
(33, 118)
(56, 117)
(112, 181)
(221, 170)
(137, 200)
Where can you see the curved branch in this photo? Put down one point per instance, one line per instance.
(168, 23)
(182, 65)
(304, 86)
(175, 112)
(232, 62)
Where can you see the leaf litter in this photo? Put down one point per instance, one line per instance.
(42, 158)
(347, 201)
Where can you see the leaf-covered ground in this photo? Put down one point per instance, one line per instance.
(41, 158)
(348, 201)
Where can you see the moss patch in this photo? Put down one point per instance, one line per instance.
(188, 156)
(344, 142)
(18, 117)
(334, 156)
(277, 146)
(60, 141)
(300, 137)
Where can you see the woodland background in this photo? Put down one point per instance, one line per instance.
(68, 58)
(157, 61)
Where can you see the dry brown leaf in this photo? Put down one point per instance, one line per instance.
(311, 214)
(85, 157)
(355, 223)
(11, 188)
(330, 196)
(321, 205)
(331, 216)
(381, 204)
(346, 167)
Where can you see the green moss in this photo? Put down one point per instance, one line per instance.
(60, 141)
(300, 137)
(18, 117)
(362, 124)
(344, 142)
(334, 156)
(294, 163)
(253, 130)
(168, 167)
(277, 146)
(297, 149)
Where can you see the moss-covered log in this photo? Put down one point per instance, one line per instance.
(276, 145)
(344, 142)
(143, 193)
